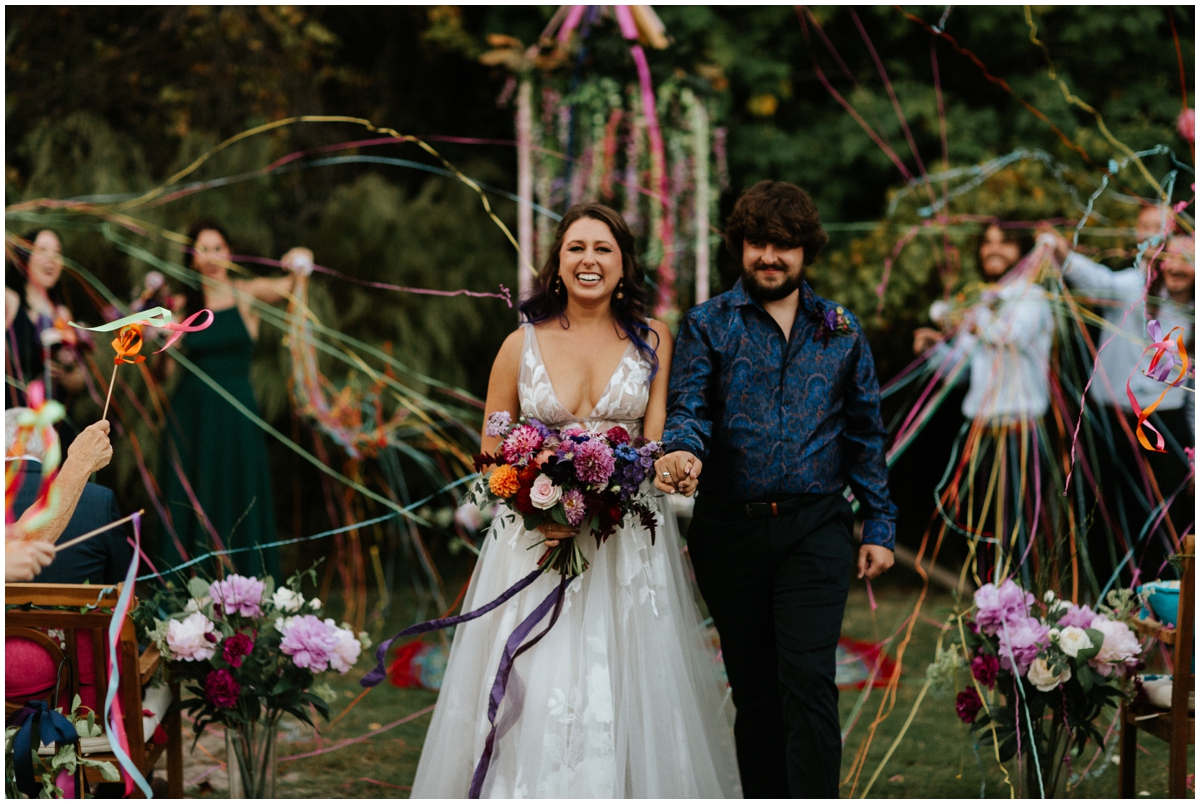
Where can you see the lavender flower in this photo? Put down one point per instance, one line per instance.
(497, 423)
(238, 595)
(309, 642)
(998, 605)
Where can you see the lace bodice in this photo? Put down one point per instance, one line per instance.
(623, 401)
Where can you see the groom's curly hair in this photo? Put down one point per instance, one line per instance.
(778, 213)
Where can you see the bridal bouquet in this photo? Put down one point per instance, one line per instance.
(252, 652)
(1047, 658)
(571, 477)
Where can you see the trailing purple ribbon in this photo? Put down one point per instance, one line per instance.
(512, 649)
(379, 672)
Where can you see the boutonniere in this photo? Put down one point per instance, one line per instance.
(833, 322)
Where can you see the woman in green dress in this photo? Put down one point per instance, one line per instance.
(216, 482)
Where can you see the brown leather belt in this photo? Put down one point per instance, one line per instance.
(771, 508)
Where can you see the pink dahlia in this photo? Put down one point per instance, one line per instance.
(594, 462)
(238, 595)
(523, 441)
(574, 507)
(309, 642)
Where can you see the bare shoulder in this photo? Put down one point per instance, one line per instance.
(665, 339)
(510, 350)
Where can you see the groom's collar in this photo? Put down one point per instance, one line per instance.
(738, 297)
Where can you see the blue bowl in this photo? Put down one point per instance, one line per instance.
(1163, 599)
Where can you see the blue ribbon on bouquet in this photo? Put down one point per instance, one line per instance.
(512, 649)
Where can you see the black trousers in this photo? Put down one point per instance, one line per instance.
(776, 588)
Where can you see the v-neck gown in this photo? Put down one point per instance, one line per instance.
(623, 697)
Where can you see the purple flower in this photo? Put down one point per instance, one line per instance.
(984, 667)
(238, 595)
(998, 605)
(574, 507)
(309, 642)
(1020, 641)
(967, 705)
(236, 647)
(831, 318)
(497, 424)
(221, 689)
(542, 429)
(1078, 616)
(524, 440)
(594, 462)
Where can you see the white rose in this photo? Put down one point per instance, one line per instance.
(1073, 639)
(345, 651)
(544, 494)
(287, 600)
(186, 638)
(1120, 644)
(315, 603)
(282, 623)
(194, 605)
(1049, 596)
(1040, 675)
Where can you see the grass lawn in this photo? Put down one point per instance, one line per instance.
(935, 758)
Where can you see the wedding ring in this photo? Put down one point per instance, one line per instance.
(666, 474)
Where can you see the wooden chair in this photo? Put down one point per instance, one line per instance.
(137, 670)
(1177, 725)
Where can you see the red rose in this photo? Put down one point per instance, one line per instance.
(221, 689)
(617, 436)
(236, 647)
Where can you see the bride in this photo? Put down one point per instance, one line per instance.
(622, 698)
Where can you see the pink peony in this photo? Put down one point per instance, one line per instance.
(238, 595)
(237, 647)
(221, 689)
(594, 462)
(186, 639)
(998, 605)
(345, 649)
(574, 507)
(309, 642)
(1078, 616)
(1120, 646)
(1020, 641)
(523, 441)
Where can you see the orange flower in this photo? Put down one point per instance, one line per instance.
(127, 344)
(504, 482)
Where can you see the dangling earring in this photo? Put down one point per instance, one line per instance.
(558, 285)
(621, 288)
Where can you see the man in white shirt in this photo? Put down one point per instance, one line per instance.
(1139, 480)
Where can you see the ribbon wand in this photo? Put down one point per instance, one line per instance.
(128, 344)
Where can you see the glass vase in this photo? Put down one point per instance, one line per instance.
(1051, 766)
(250, 758)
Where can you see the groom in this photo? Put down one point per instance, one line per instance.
(773, 393)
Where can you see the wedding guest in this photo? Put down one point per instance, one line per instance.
(82, 507)
(215, 475)
(1159, 286)
(40, 343)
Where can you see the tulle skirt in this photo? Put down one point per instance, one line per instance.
(623, 698)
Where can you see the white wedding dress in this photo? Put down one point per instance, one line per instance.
(623, 697)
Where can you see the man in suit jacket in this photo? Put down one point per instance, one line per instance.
(82, 507)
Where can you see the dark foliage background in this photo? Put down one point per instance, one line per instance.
(116, 99)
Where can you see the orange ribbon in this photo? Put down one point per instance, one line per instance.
(1160, 348)
(128, 344)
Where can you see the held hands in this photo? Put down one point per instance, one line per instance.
(874, 560)
(677, 472)
(92, 446)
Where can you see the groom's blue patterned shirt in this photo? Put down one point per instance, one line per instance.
(772, 417)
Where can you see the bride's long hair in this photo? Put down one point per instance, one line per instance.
(629, 310)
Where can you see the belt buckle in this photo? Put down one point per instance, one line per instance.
(753, 508)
